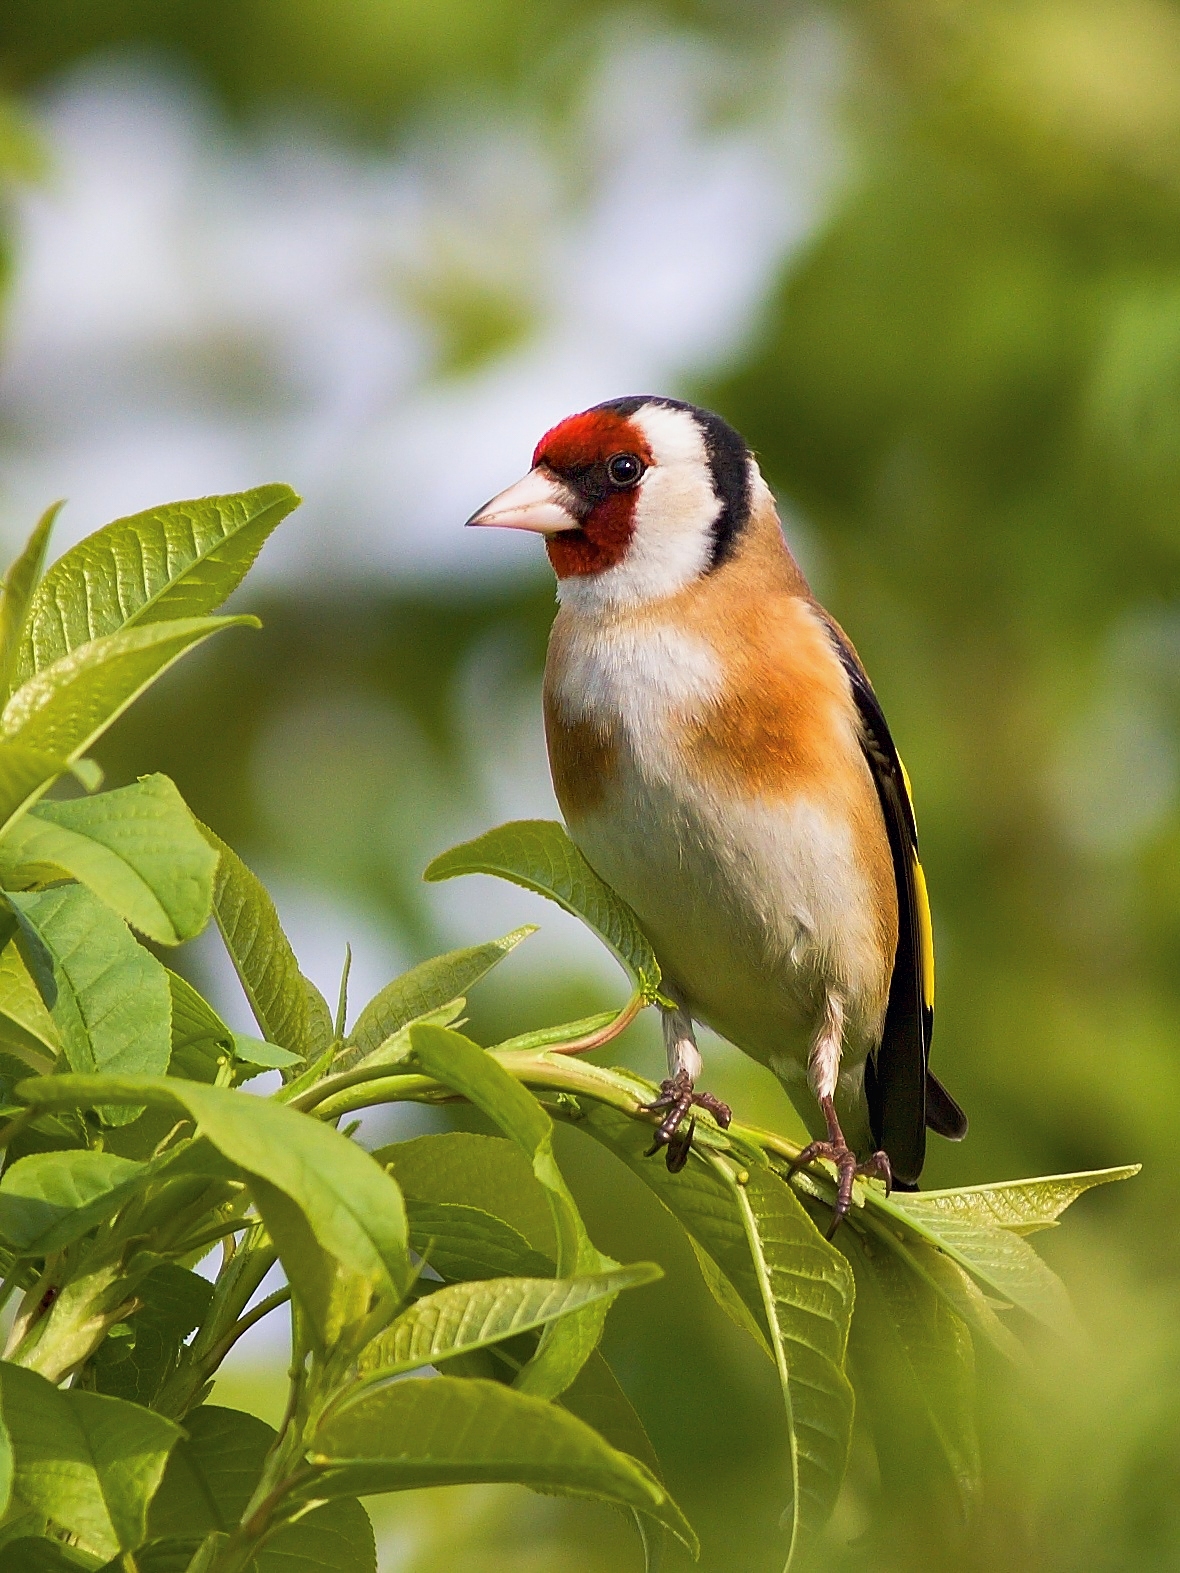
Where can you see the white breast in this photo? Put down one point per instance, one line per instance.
(754, 906)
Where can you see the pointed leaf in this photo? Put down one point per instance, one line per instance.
(24, 775)
(464, 1066)
(487, 1172)
(21, 1003)
(1003, 1262)
(468, 1316)
(1021, 1205)
(916, 1358)
(19, 584)
(173, 562)
(288, 1007)
(137, 848)
(766, 1256)
(108, 996)
(50, 1199)
(137, 1365)
(88, 1462)
(538, 854)
(62, 710)
(351, 1210)
(460, 1242)
(807, 1293)
(452, 1431)
(423, 989)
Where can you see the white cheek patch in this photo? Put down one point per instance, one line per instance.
(675, 511)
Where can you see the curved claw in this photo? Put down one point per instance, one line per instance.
(847, 1170)
(677, 1096)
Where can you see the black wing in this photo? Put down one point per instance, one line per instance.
(903, 1097)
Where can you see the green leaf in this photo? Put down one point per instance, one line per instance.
(68, 706)
(467, 1316)
(199, 1036)
(137, 1365)
(21, 1003)
(486, 1172)
(19, 584)
(461, 1242)
(915, 1359)
(50, 1199)
(108, 996)
(462, 1065)
(89, 1463)
(24, 775)
(423, 989)
(807, 1293)
(772, 1271)
(288, 1008)
(137, 848)
(175, 562)
(597, 1398)
(318, 1192)
(211, 1474)
(255, 1051)
(705, 1205)
(538, 854)
(29, 1555)
(1021, 1205)
(210, 1479)
(335, 1538)
(453, 1431)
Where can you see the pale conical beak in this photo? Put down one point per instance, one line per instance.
(538, 502)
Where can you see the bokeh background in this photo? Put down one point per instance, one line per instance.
(926, 255)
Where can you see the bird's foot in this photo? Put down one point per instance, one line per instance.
(839, 1153)
(677, 1097)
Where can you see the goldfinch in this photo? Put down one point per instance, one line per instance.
(722, 762)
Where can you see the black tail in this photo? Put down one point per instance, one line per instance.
(943, 1114)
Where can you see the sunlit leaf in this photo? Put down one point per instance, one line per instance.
(538, 854)
(50, 1199)
(24, 775)
(466, 1316)
(1021, 1205)
(173, 562)
(451, 1431)
(137, 848)
(19, 584)
(22, 1005)
(108, 996)
(88, 1462)
(288, 1007)
(425, 988)
(321, 1196)
(63, 709)
(464, 1066)
(772, 1271)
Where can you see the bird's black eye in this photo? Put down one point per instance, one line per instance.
(624, 469)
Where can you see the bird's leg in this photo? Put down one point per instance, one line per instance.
(677, 1094)
(823, 1070)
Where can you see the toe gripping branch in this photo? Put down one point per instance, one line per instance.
(677, 1098)
(837, 1151)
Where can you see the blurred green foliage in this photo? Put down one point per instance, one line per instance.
(968, 388)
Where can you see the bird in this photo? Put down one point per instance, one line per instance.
(722, 762)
